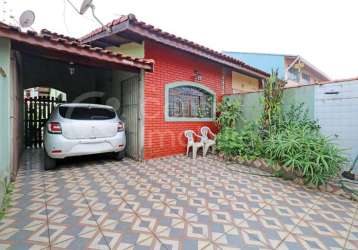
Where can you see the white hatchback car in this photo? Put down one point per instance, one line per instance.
(83, 129)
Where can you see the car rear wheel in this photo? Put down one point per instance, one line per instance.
(119, 155)
(49, 163)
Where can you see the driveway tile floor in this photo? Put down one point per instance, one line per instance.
(169, 203)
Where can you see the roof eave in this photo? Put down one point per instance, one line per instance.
(32, 39)
(102, 34)
(128, 26)
(149, 35)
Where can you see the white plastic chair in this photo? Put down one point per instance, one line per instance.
(205, 133)
(190, 134)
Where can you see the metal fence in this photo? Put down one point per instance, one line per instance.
(36, 112)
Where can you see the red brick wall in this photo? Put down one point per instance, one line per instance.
(163, 138)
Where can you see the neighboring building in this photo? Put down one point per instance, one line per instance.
(44, 92)
(187, 82)
(292, 68)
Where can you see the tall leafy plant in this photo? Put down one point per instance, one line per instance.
(273, 93)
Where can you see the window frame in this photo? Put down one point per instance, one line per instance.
(306, 81)
(188, 119)
(296, 73)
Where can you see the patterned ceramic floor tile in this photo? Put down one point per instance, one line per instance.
(312, 241)
(21, 218)
(240, 237)
(169, 203)
(352, 240)
(31, 237)
(91, 239)
(335, 209)
(316, 224)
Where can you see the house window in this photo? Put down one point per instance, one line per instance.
(186, 101)
(306, 79)
(294, 75)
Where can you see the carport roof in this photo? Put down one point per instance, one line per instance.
(62, 47)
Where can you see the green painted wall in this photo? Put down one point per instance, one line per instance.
(130, 49)
(304, 94)
(251, 106)
(252, 103)
(5, 49)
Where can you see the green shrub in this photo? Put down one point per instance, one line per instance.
(227, 141)
(297, 116)
(304, 152)
(246, 143)
(230, 113)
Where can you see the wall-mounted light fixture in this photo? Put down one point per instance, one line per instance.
(71, 68)
(197, 76)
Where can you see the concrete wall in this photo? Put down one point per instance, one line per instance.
(304, 94)
(17, 108)
(337, 113)
(252, 103)
(5, 55)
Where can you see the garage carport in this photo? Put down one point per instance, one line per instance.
(100, 76)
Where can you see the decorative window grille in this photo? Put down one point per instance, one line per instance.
(190, 102)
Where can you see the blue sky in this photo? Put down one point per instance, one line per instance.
(322, 31)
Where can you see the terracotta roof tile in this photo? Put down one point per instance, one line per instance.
(133, 20)
(47, 36)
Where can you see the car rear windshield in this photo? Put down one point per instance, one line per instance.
(86, 113)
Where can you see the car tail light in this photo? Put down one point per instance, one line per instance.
(54, 128)
(120, 126)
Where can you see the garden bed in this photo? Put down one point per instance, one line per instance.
(333, 186)
(288, 140)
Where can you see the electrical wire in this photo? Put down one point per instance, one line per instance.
(64, 17)
(73, 6)
(78, 12)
